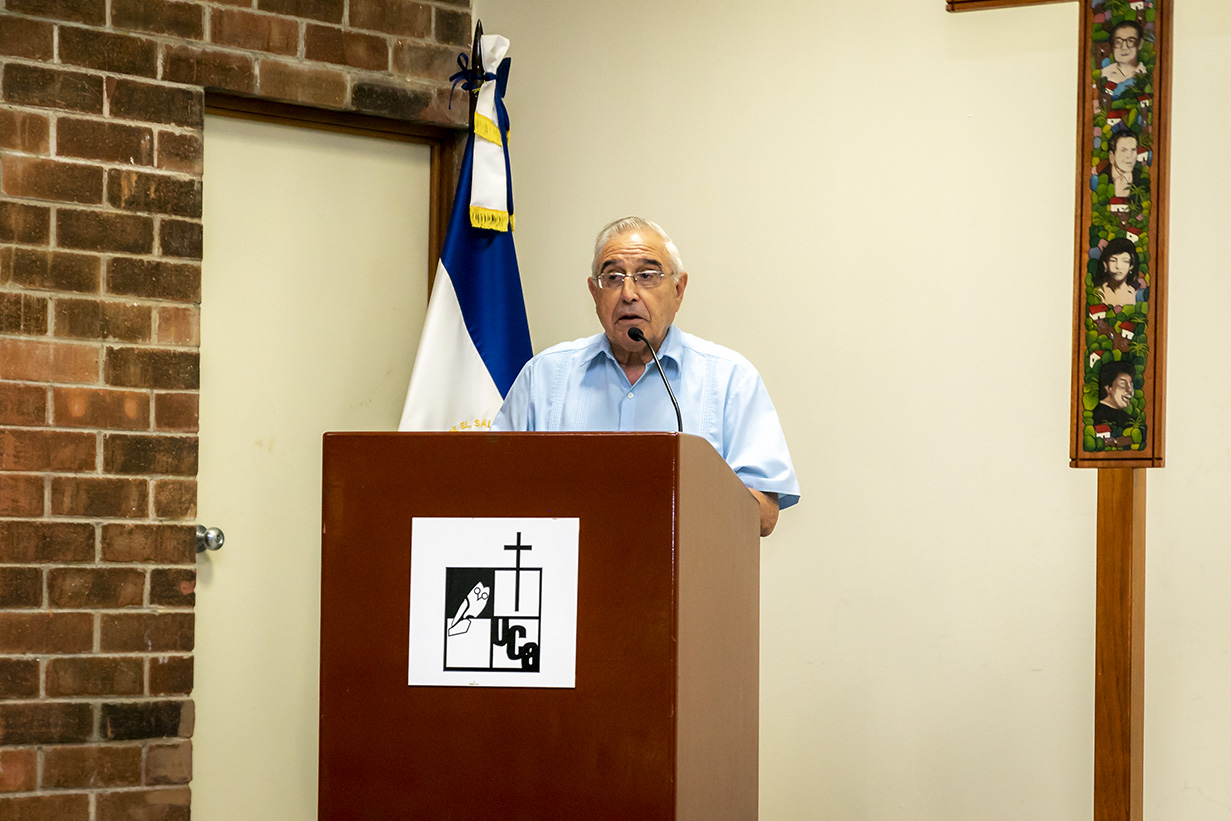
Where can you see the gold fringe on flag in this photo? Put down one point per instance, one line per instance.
(488, 130)
(490, 219)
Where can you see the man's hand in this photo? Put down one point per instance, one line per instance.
(769, 510)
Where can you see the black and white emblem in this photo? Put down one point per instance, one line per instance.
(492, 615)
(501, 599)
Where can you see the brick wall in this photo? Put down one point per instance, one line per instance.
(101, 109)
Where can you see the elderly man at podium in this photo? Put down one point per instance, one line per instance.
(607, 381)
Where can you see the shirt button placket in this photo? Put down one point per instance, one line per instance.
(628, 412)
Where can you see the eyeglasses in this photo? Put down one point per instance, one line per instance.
(612, 281)
(1131, 42)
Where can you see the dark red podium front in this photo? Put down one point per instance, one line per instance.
(662, 723)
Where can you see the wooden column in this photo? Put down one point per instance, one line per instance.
(1119, 665)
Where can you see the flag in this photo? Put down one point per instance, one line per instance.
(475, 338)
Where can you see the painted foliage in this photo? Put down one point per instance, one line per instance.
(1119, 265)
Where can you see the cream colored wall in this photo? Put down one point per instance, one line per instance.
(874, 201)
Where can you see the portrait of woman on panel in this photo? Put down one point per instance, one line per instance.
(1116, 278)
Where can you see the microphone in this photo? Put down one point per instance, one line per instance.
(636, 335)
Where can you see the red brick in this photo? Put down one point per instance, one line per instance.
(256, 32)
(147, 719)
(176, 411)
(94, 676)
(21, 495)
(70, 807)
(402, 17)
(23, 314)
(395, 102)
(328, 44)
(173, 587)
(52, 180)
(160, 17)
(46, 542)
(156, 544)
(139, 191)
(46, 633)
(453, 27)
(447, 109)
(23, 130)
(44, 723)
(24, 223)
(92, 12)
(170, 675)
(175, 499)
(93, 766)
(169, 763)
(154, 279)
(48, 361)
(99, 231)
(183, 153)
(311, 86)
(173, 105)
(21, 587)
(52, 88)
(179, 326)
(145, 632)
(117, 53)
(94, 319)
(152, 368)
(179, 238)
(98, 497)
(223, 70)
(328, 11)
(421, 60)
(89, 587)
(105, 140)
(32, 39)
(22, 404)
(19, 767)
(42, 450)
(147, 805)
(142, 455)
(53, 270)
(94, 408)
(18, 679)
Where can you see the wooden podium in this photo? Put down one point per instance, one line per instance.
(662, 722)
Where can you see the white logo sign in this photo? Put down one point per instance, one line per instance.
(493, 602)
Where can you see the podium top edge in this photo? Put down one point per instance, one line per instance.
(331, 434)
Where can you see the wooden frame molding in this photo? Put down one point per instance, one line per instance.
(976, 5)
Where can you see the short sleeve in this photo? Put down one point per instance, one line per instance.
(755, 446)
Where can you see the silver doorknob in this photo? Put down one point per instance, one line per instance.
(209, 538)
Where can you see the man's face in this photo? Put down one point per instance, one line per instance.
(650, 309)
(1124, 45)
(1126, 154)
(1120, 392)
(1118, 266)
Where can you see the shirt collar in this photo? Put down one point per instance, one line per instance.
(671, 350)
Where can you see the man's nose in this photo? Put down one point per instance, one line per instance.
(628, 289)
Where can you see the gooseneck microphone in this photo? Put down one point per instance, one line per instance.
(636, 335)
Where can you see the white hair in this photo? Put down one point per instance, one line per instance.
(614, 229)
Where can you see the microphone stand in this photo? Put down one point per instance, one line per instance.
(636, 335)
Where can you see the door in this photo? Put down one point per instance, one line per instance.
(313, 294)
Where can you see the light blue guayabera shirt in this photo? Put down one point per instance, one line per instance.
(579, 385)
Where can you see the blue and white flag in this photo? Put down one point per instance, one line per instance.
(475, 338)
